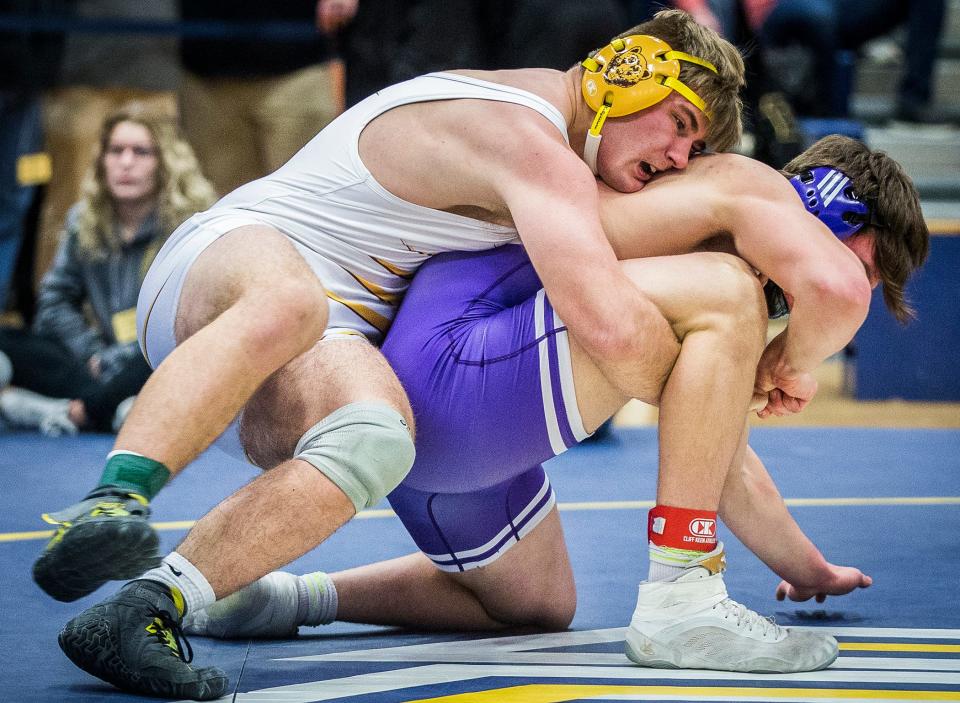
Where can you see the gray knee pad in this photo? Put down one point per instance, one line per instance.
(364, 448)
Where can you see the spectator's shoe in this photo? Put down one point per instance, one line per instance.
(120, 414)
(29, 410)
(104, 537)
(6, 370)
(133, 640)
(691, 623)
(267, 608)
(58, 423)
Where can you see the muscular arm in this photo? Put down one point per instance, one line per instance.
(826, 281)
(751, 506)
(755, 209)
(552, 198)
(508, 165)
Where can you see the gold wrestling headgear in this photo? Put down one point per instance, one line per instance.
(631, 74)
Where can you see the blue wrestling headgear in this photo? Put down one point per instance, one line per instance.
(827, 193)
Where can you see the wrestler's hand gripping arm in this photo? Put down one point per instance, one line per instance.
(769, 228)
(827, 286)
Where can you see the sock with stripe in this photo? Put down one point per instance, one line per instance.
(677, 536)
(316, 599)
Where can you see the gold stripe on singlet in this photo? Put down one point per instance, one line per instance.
(371, 317)
(394, 269)
(391, 298)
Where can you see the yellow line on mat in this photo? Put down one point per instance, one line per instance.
(795, 502)
(589, 505)
(557, 693)
(898, 647)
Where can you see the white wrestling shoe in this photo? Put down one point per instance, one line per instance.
(266, 609)
(691, 623)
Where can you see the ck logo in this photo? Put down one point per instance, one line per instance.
(703, 528)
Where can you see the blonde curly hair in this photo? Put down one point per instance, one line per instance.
(182, 189)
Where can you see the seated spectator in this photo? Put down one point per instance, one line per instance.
(71, 371)
(825, 27)
(98, 74)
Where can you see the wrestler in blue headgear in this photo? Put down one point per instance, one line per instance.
(827, 194)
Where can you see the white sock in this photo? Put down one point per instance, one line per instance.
(176, 571)
(317, 599)
(667, 563)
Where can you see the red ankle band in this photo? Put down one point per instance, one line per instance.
(681, 528)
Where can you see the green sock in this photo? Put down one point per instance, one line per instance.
(135, 473)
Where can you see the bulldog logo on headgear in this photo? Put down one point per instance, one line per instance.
(627, 69)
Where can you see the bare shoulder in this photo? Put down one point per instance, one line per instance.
(547, 83)
(739, 176)
(759, 208)
(462, 155)
(511, 140)
(481, 130)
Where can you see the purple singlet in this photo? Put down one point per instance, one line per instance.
(486, 364)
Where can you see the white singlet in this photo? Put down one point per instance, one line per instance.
(363, 242)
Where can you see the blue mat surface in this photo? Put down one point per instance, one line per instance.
(911, 551)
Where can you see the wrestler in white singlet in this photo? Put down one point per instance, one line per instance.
(363, 242)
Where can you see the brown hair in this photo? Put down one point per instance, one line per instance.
(901, 234)
(720, 90)
(182, 189)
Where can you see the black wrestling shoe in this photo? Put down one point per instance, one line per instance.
(134, 641)
(104, 537)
